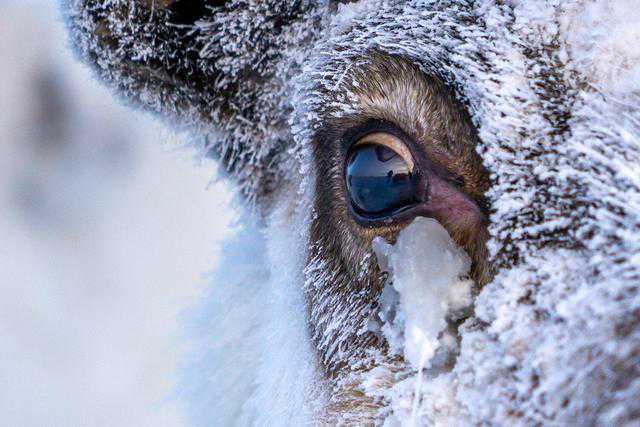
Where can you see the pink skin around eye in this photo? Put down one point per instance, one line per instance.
(449, 205)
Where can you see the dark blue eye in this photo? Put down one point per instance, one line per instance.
(379, 180)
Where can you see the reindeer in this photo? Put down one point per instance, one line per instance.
(349, 120)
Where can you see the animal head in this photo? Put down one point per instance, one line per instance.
(493, 118)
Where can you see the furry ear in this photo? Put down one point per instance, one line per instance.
(150, 51)
(213, 66)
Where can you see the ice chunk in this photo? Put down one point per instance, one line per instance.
(427, 271)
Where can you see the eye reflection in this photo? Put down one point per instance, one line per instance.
(380, 181)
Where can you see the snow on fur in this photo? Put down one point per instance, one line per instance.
(553, 89)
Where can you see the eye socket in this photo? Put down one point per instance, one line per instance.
(381, 177)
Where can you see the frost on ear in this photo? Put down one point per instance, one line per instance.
(147, 50)
(216, 68)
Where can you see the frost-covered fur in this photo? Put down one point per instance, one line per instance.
(552, 88)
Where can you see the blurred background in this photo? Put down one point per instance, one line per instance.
(106, 228)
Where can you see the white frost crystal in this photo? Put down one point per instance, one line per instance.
(427, 271)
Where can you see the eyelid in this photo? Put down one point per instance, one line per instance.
(389, 141)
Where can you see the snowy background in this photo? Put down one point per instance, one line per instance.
(107, 228)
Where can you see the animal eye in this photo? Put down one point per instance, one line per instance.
(380, 176)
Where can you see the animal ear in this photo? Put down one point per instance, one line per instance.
(151, 51)
(212, 65)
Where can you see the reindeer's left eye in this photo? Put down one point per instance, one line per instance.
(380, 176)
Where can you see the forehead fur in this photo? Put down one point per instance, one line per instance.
(393, 89)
